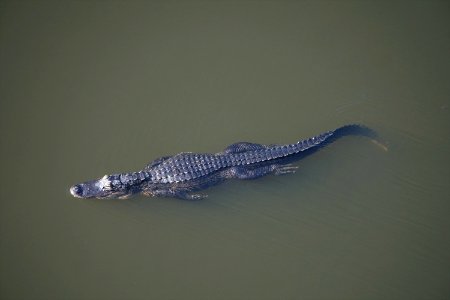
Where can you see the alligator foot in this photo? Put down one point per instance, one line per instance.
(241, 172)
(284, 169)
(187, 196)
(181, 194)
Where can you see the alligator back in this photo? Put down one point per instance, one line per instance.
(188, 166)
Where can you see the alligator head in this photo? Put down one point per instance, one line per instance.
(102, 188)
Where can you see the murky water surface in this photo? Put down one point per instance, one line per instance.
(89, 88)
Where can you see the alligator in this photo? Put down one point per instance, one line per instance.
(182, 175)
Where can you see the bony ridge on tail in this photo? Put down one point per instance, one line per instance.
(182, 175)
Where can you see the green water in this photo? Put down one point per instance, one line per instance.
(92, 88)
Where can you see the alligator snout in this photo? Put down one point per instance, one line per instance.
(76, 191)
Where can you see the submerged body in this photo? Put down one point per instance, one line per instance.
(183, 174)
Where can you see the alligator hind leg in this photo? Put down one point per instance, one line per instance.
(243, 147)
(285, 169)
(241, 172)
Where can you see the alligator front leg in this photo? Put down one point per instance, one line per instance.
(156, 162)
(187, 196)
(174, 193)
(241, 172)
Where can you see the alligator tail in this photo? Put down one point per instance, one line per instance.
(355, 129)
(303, 147)
(324, 139)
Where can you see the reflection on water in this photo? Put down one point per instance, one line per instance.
(96, 88)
